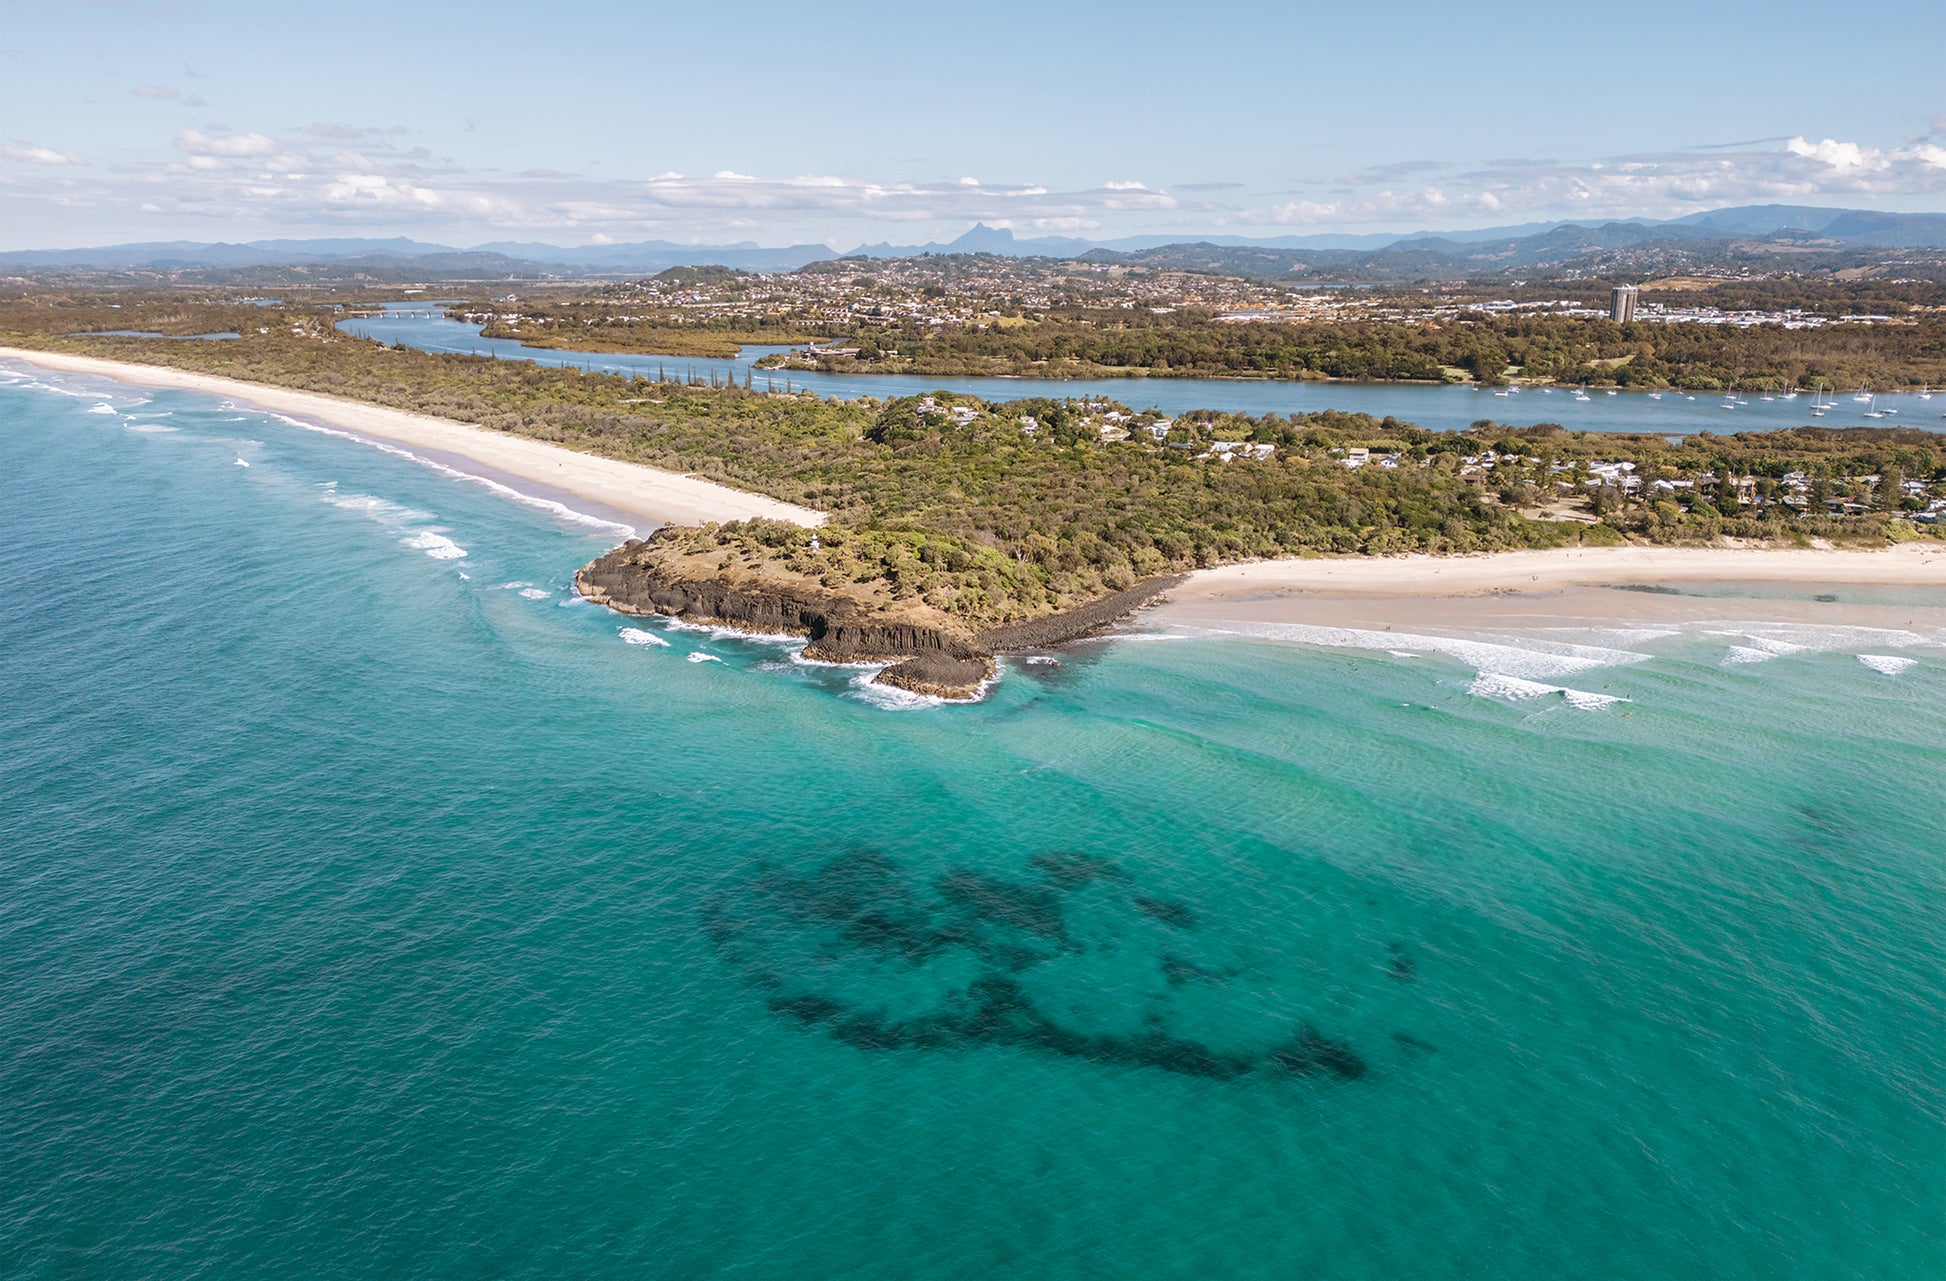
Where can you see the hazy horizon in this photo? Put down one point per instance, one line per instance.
(206, 120)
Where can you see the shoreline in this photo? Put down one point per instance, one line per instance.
(1921, 563)
(608, 485)
(1915, 564)
(1475, 590)
(1335, 601)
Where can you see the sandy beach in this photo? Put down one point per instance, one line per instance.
(1921, 564)
(1586, 587)
(644, 495)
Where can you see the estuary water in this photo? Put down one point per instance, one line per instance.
(422, 325)
(369, 908)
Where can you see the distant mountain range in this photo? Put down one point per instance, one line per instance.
(1388, 256)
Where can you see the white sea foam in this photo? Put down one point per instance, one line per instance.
(1790, 638)
(571, 600)
(1523, 657)
(1768, 646)
(1617, 637)
(534, 593)
(1886, 664)
(398, 517)
(794, 654)
(636, 636)
(379, 509)
(716, 632)
(103, 408)
(560, 511)
(434, 544)
(153, 429)
(890, 697)
(1747, 654)
(698, 656)
(1515, 689)
(241, 463)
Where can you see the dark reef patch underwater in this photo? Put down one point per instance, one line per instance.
(1070, 959)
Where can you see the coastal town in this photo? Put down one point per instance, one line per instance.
(981, 291)
(994, 315)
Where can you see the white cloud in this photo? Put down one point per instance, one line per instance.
(1655, 185)
(354, 176)
(156, 91)
(29, 154)
(196, 143)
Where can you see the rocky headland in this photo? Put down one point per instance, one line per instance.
(926, 650)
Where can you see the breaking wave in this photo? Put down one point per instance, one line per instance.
(1515, 689)
(435, 545)
(636, 636)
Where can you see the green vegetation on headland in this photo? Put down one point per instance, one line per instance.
(989, 513)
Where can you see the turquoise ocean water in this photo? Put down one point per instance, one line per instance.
(369, 908)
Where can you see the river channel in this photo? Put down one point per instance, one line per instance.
(424, 325)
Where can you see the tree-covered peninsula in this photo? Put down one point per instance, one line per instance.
(981, 514)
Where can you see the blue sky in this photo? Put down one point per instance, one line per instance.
(579, 121)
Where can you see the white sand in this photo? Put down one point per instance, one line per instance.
(657, 497)
(1919, 564)
(1571, 587)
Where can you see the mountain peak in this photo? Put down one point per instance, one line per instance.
(984, 239)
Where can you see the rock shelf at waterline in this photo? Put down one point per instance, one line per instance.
(926, 650)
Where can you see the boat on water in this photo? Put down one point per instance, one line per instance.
(1925, 392)
(1874, 411)
(1655, 395)
(1863, 397)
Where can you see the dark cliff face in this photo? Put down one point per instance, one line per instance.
(931, 660)
(927, 659)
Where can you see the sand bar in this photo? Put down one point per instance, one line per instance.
(648, 495)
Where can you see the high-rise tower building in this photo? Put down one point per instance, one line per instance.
(1621, 304)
